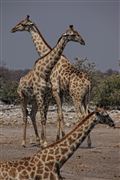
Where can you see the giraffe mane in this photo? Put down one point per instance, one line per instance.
(43, 37)
(79, 124)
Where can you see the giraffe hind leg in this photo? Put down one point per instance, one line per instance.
(25, 114)
(60, 119)
(89, 141)
(33, 119)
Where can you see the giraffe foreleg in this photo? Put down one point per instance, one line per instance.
(85, 105)
(41, 109)
(60, 118)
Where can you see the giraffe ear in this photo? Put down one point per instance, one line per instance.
(65, 34)
(71, 26)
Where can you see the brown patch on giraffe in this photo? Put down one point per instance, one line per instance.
(37, 73)
(29, 168)
(83, 80)
(50, 165)
(4, 174)
(79, 134)
(32, 174)
(41, 68)
(38, 177)
(25, 175)
(46, 169)
(34, 79)
(46, 175)
(64, 150)
(71, 140)
(43, 157)
(40, 164)
(51, 151)
(39, 47)
(39, 171)
(52, 177)
(20, 168)
(45, 151)
(64, 143)
(12, 172)
(80, 75)
(33, 168)
(74, 135)
(58, 157)
(50, 157)
(57, 151)
(47, 60)
(26, 163)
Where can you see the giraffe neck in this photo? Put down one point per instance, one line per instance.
(65, 148)
(49, 60)
(40, 44)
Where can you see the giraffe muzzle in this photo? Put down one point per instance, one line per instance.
(82, 42)
(13, 30)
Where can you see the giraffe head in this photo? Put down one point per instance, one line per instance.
(23, 25)
(103, 117)
(72, 35)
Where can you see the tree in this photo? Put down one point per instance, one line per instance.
(108, 91)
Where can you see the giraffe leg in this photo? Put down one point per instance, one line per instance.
(33, 119)
(60, 119)
(41, 109)
(25, 113)
(58, 171)
(78, 108)
(85, 105)
(89, 141)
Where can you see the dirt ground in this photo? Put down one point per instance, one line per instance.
(101, 162)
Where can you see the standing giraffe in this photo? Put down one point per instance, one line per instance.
(64, 77)
(37, 82)
(46, 163)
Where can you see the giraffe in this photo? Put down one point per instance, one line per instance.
(64, 77)
(46, 163)
(37, 84)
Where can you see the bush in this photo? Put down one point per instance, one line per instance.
(8, 92)
(107, 93)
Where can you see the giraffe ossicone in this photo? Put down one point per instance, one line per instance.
(46, 163)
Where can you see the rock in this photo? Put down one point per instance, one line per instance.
(68, 124)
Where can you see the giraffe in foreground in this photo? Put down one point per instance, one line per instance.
(64, 77)
(37, 83)
(46, 163)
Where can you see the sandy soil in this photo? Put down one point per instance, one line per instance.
(101, 162)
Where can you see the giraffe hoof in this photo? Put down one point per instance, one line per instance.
(89, 145)
(38, 141)
(23, 145)
(63, 134)
(57, 138)
(45, 144)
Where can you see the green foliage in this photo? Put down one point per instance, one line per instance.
(105, 86)
(85, 66)
(8, 92)
(107, 91)
(8, 84)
